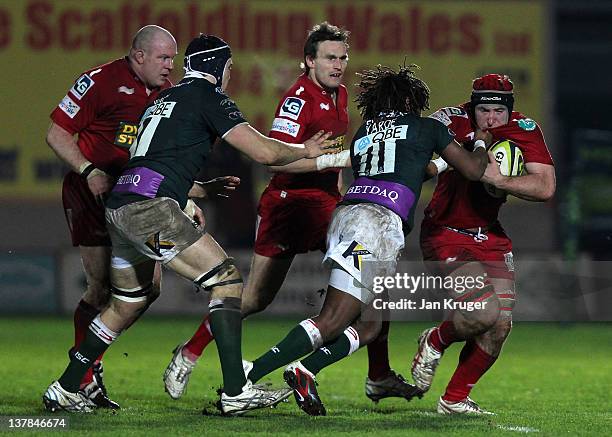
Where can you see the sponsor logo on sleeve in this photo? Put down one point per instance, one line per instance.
(235, 115)
(441, 117)
(299, 91)
(456, 112)
(527, 124)
(81, 86)
(69, 106)
(126, 134)
(286, 127)
(291, 108)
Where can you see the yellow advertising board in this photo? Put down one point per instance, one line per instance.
(46, 44)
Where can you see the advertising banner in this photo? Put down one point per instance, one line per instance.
(45, 45)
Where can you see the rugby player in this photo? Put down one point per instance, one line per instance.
(146, 222)
(91, 131)
(389, 155)
(461, 232)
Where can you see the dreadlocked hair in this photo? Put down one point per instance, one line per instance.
(384, 90)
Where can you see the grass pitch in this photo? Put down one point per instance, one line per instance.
(550, 380)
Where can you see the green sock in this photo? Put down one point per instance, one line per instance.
(327, 355)
(295, 345)
(226, 326)
(81, 360)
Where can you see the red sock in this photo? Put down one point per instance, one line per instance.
(443, 336)
(203, 336)
(472, 365)
(83, 315)
(378, 354)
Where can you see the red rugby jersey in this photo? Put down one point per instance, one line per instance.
(104, 107)
(461, 203)
(304, 110)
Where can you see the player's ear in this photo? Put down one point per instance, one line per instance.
(310, 61)
(139, 56)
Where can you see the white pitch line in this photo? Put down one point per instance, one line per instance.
(524, 429)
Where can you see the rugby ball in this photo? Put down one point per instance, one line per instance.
(510, 159)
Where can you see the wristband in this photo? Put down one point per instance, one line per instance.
(479, 144)
(86, 168)
(333, 160)
(440, 164)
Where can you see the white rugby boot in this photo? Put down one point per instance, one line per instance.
(425, 362)
(253, 397)
(56, 398)
(176, 375)
(465, 406)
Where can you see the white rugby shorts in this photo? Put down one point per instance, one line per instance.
(364, 240)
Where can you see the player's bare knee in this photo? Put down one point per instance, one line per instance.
(97, 295)
(502, 329)
(493, 339)
(223, 281)
(253, 304)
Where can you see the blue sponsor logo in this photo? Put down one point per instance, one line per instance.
(527, 124)
(292, 106)
(362, 143)
(81, 86)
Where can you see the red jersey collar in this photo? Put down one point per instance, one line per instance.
(308, 84)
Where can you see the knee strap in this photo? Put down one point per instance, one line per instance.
(215, 277)
(137, 294)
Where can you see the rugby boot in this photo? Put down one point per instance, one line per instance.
(304, 387)
(465, 406)
(252, 398)
(394, 385)
(56, 398)
(96, 390)
(176, 375)
(425, 362)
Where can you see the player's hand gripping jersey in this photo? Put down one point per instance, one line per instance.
(463, 204)
(103, 107)
(389, 157)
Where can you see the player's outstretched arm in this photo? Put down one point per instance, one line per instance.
(537, 185)
(269, 151)
(470, 164)
(335, 160)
